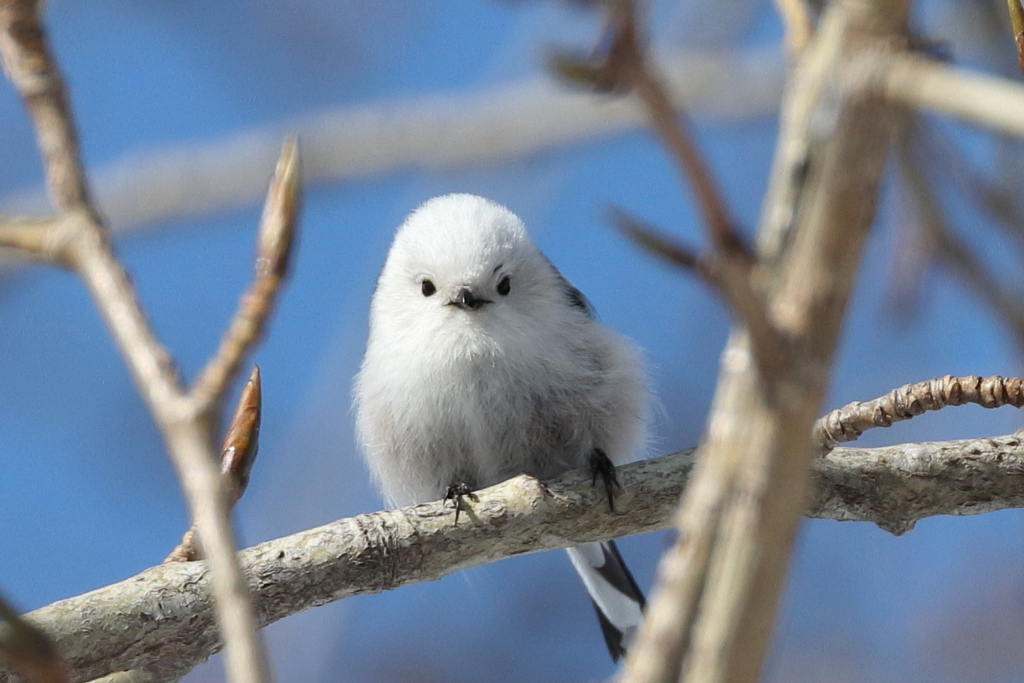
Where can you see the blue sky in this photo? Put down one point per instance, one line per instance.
(87, 497)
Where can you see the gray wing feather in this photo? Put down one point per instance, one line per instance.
(575, 296)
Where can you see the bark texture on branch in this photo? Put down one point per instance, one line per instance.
(895, 486)
(160, 621)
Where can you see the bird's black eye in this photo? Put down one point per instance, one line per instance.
(505, 286)
(428, 288)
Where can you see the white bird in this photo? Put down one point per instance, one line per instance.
(483, 362)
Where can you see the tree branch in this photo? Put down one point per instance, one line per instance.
(910, 400)
(79, 240)
(36, 239)
(439, 130)
(977, 98)
(713, 606)
(160, 621)
(621, 64)
(797, 18)
(33, 71)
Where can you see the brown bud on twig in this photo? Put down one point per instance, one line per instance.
(1017, 25)
(241, 443)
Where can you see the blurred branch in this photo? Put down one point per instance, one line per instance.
(728, 274)
(994, 192)
(713, 606)
(663, 246)
(32, 238)
(849, 422)
(983, 100)
(620, 64)
(796, 17)
(27, 650)
(446, 129)
(79, 240)
(952, 252)
(33, 71)
(160, 621)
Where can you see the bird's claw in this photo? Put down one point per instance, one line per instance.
(457, 493)
(602, 466)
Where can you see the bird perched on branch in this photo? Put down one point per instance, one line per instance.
(483, 362)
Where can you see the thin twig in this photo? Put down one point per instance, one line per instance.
(188, 437)
(733, 260)
(32, 238)
(910, 400)
(713, 269)
(796, 17)
(934, 149)
(626, 56)
(663, 246)
(622, 66)
(29, 65)
(954, 253)
(977, 98)
(273, 251)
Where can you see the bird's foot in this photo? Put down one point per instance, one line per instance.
(457, 493)
(602, 466)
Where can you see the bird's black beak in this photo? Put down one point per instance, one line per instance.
(467, 301)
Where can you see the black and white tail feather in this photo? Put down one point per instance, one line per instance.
(484, 362)
(617, 599)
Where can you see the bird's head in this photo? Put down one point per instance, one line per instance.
(462, 264)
